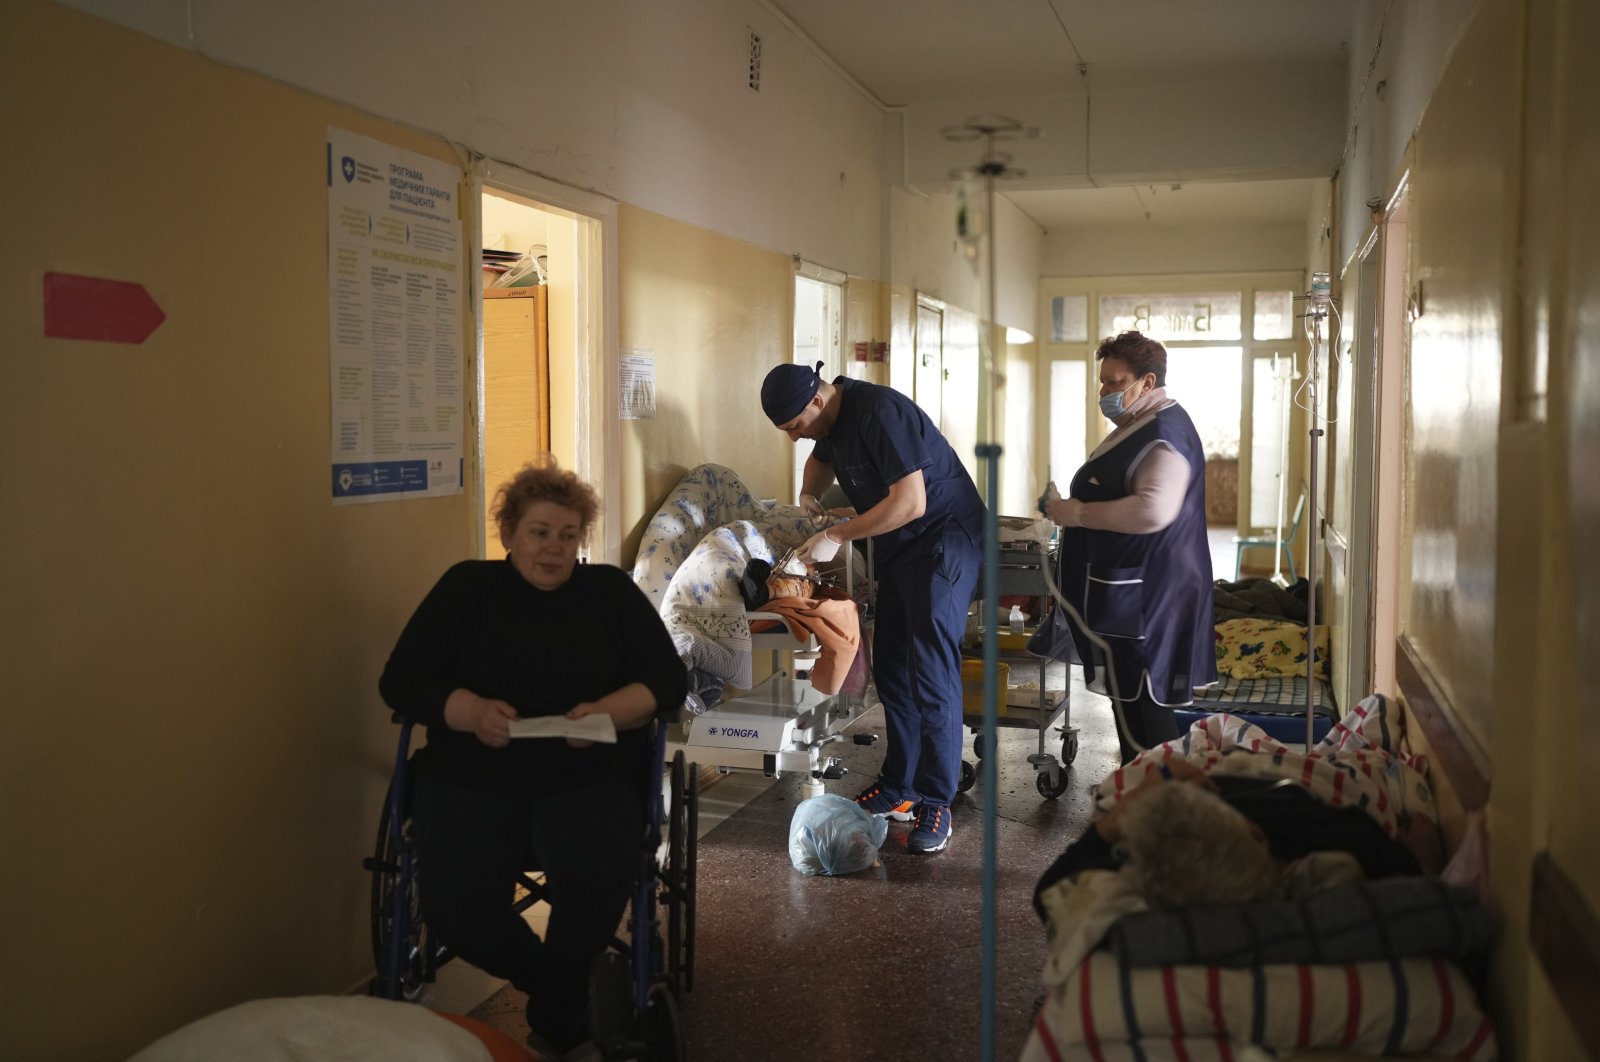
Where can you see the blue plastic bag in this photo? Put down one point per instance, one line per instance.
(831, 835)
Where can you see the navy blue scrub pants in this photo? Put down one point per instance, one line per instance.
(916, 655)
(470, 845)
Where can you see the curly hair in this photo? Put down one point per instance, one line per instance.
(1182, 846)
(1138, 351)
(542, 480)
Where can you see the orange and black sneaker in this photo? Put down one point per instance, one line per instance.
(874, 801)
(932, 831)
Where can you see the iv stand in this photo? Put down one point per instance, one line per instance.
(993, 165)
(1318, 313)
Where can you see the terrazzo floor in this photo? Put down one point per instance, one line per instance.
(884, 964)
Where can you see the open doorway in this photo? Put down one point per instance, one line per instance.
(818, 328)
(544, 381)
(515, 376)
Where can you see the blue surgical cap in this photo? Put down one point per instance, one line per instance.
(787, 389)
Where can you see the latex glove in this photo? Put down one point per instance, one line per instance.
(820, 548)
(813, 508)
(1050, 495)
(1068, 512)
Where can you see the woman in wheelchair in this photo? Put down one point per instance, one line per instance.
(535, 634)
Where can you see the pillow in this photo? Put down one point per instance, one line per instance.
(1253, 648)
(1404, 1006)
(302, 1027)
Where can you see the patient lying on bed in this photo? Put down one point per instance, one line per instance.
(1190, 839)
(1234, 891)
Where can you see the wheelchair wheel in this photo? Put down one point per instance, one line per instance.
(693, 845)
(676, 883)
(662, 1027)
(402, 973)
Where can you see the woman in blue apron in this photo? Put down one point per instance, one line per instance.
(1134, 558)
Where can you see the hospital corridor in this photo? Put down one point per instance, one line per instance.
(755, 530)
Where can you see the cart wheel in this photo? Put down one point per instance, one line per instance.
(1069, 747)
(969, 777)
(977, 744)
(1048, 791)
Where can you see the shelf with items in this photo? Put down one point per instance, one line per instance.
(1035, 706)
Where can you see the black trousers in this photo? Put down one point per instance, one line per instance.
(471, 843)
(1149, 723)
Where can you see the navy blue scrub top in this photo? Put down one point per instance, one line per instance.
(881, 437)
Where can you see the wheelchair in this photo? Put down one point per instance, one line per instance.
(636, 986)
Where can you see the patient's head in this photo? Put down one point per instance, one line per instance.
(544, 513)
(1182, 846)
(543, 480)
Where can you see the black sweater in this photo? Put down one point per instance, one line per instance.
(485, 628)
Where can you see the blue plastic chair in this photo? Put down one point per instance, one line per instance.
(1268, 542)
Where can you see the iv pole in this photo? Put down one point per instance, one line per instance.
(1315, 316)
(992, 165)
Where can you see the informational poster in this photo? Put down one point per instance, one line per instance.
(637, 384)
(395, 290)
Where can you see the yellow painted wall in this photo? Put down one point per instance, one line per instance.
(1502, 583)
(192, 631)
(866, 320)
(1564, 287)
(1461, 254)
(715, 313)
(1547, 776)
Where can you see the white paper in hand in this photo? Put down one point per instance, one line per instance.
(597, 727)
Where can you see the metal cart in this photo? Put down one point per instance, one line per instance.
(1022, 572)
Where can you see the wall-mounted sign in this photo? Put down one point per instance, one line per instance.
(395, 289)
(108, 311)
(637, 385)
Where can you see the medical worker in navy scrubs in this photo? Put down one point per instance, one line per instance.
(914, 499)
(1134, 556)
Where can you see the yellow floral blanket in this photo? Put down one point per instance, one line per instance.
(1257, 648)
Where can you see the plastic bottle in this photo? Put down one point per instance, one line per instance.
(1017, 620)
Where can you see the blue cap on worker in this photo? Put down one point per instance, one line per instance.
(787, 389)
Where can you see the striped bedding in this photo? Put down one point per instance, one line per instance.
(1107, 1012)
(1099, 1009)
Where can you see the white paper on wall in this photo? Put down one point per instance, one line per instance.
(395, 289)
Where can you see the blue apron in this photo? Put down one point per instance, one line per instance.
(1148, 596)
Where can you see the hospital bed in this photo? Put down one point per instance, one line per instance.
(1375, 967)
(691, 558)
(781, 726)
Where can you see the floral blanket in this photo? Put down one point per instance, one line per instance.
(1257, 647)
(692, 555)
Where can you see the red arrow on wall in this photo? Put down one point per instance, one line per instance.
(111, 311)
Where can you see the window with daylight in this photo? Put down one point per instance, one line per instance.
(1274, 315)
(1200, 316)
